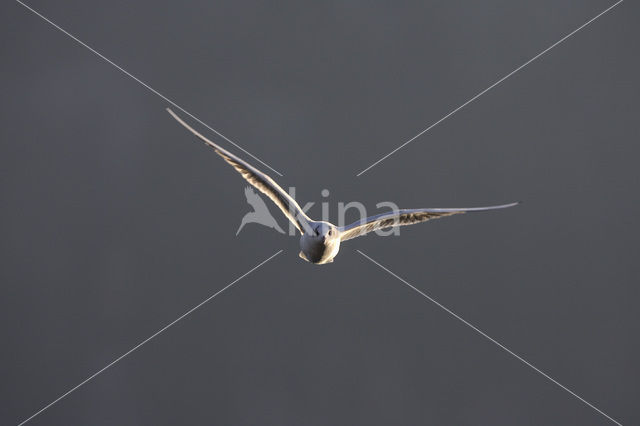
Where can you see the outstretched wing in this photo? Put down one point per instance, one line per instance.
(259, 180)
(404, 217)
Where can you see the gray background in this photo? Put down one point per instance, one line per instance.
(114, 221)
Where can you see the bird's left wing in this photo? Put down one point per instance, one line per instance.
(404, 217)
(259, 180)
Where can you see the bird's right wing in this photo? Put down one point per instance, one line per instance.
(404, 217)
(259, 180)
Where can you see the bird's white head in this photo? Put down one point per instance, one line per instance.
(325, 231)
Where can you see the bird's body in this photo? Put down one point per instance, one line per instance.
(320, 240)
(321, 246)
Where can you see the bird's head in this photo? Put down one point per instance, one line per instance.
(325, 231)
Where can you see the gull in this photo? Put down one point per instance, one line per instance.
(320, 240)
(260, 213)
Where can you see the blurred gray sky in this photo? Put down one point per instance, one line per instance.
(114, 221)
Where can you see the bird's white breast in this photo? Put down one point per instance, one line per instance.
(318, 251)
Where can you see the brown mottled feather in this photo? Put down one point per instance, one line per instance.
(388, 220)
(259, 180)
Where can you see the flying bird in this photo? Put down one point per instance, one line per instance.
(320, 240)
(260, 213)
